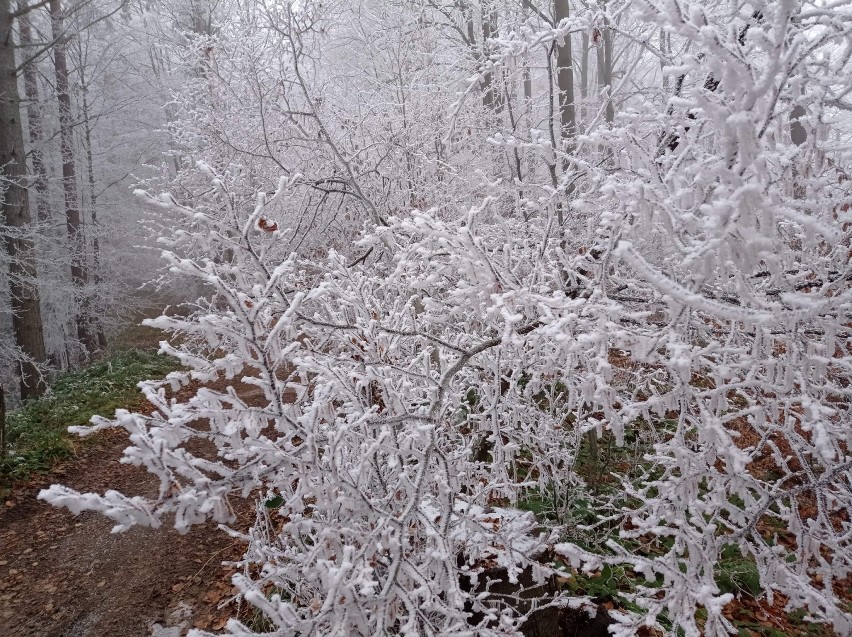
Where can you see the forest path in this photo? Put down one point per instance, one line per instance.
(63, 575)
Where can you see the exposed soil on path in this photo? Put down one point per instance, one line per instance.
(67, 576)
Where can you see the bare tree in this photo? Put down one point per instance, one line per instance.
(34, 122)
(74, 221)
(565, 79)
(605, 66)
(91, 187)
(26, 306)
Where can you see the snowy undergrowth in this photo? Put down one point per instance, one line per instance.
(384, 477)
(684, 274)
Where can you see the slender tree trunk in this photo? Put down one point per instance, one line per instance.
(26, 306)
(527, 6)
(2, 424)
(605, 71)
(584, 75)
(493, 97)
(35, 125)
(565, 82)
(604, 54)
(523, 121)
(93, 200)
(74, 222)
(567, 112)
(799, 136)
(488, 97)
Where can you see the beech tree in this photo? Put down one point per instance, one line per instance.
(17, 218)
(52, 120)
(79, 268)
(34, 121)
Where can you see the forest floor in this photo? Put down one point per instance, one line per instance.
(63, 575)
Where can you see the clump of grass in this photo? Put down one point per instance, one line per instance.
(37, 433)
(737, 574)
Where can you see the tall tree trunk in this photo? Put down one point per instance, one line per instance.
(74, 222)
(565, 81)
(605, 69)
(2, 424)
(493, 97)
(527, 7)
(525, 120)
(605, 78)
(34, 124)
(26, 306)
(567, 112)
(93, 200)
(584, 75)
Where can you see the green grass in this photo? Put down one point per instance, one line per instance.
(37, 433)
(737, 574)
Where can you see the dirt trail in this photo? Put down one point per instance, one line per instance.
(67, 576)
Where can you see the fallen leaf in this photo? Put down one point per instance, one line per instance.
(203, 622)
(213, 597)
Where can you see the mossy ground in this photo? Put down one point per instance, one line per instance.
(37, 433)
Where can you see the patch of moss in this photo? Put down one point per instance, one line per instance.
(37, 433)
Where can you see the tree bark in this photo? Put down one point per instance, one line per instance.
(798, 133)
(93, 201)
(567, 111)
(584, 75)
(74, 221)
(23, 289)
(527, 6)
(605, 70)
(35, 125)
(2, 424)
(493, 96)
(565, 81)
(605, 77)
